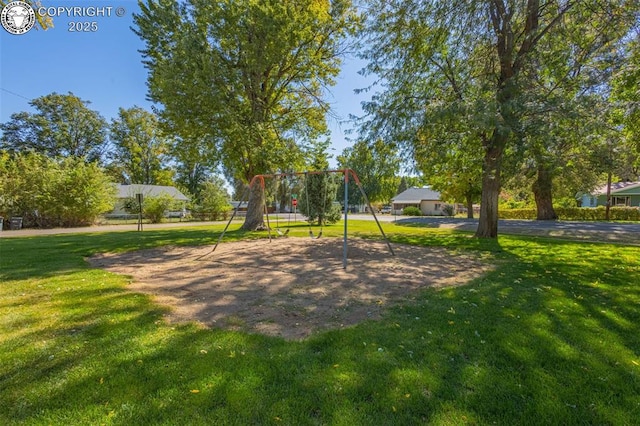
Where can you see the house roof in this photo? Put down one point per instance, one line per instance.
(629, 188)
(130, 191)
(416, 195)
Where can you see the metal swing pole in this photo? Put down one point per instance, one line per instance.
(346, 210)
(359, 185)
(266, 209)
(235, 211)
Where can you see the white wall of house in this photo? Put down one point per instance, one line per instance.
(431, 208)
(427, 207)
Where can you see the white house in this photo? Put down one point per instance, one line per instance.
(125, 192)
(426, 199)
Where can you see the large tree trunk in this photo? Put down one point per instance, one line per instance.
(607, 210)
(542, 191)
(469, 201)
(255, 209)
(488, 221)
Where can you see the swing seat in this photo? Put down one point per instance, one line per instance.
(282, 234)
(315, 238)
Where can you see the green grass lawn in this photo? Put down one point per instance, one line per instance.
(550, 336)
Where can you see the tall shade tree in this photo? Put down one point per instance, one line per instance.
(573, 68)
(249, 74)
(377, 165)
(445, 154)
(468, 58)
(62, 126)
(140, 150)
(196, 161)
(626, 94)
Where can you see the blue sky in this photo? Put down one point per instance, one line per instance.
(104, 67)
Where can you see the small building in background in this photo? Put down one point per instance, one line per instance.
(623, 194)
(128, 192)
(426, 199)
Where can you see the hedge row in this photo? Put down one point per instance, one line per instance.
(577, 213)
(49, 193)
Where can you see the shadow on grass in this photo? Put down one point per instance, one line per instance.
(551, 336)
(42, 256)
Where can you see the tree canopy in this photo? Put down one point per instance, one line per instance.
(62, 126)
(477, 63)
(248, 75)
(139, 151)
(377, 166)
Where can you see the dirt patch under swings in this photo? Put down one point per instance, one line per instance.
(289, 287)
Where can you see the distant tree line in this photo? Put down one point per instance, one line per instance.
(47, 156)
(494, 102)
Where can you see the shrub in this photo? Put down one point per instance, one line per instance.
(411, 211)
(214, 201)
(448, 210)
(46, 192)
(154, 207)
(577, 213)
(527, 214)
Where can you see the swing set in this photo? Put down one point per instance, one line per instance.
(291, 198)
(346, 173)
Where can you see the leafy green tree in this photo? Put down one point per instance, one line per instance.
(316, 200)
(82, 192)
(626, 97)
(49, 192)
(62, 126)
(140, 151)
(571, 73)
(155, 207)
(248, 75)
(450, 159)
(402, 186)
(470, 60)
(196, 162)
(461, 186)
(214, 199)
(377, 166)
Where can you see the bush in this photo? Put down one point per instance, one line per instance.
(46, 192)
(448, 210)
(214, 201)
(154, 207)
(577, 213)
(411, 211)
(526, 214)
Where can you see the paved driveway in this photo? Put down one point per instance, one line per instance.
(587, 231)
